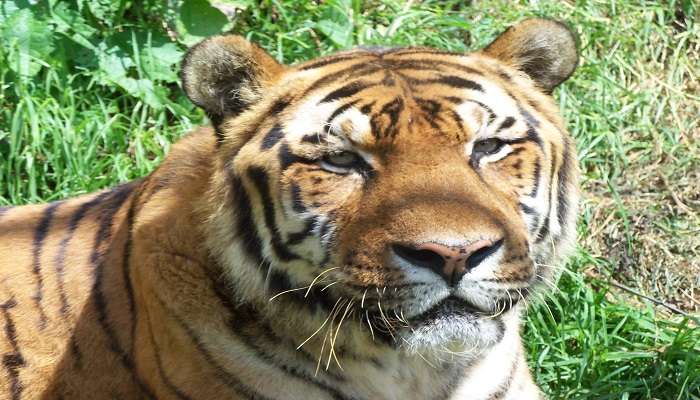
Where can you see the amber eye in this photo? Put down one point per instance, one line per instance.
(342, 160)
(488, 146)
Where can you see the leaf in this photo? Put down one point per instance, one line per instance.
(29, 42)
(105, 10)
(73, 25)
(159, 60)
(114, 65)
(336, 24)
(198, 19)
(340, 35)
(9, 7)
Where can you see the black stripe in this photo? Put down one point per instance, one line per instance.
(489, 111)
(529, 118)
(246, 229)
(275, 108)
(507, 123)
(13, 360)
(432, 65)
(216, 121)
(228, 378)
(161, 369)
(392, 109)
(261, 181)
(562, 197)
(103, 238)
(126, 267)
(60, 259)
(278, 106)
(76, 353)
(287, 158)
(536, 179)
(272, 137)
(544, 230)
(266, 355)
(42, 229)
(532, 136)
(333, 60)
(313, 138)
(244, 313)
(357, 69)
(297, 201)
(314, 301)
(430, 107)
(298, 237)
(527, 209)
(348, 90)
(337, 112)
(452, 81)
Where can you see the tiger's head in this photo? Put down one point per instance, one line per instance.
(425, 192)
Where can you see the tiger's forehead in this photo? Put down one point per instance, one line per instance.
(369, 97)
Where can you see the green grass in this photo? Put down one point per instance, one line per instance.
(89, 98)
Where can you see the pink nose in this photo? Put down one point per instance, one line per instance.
(449, 262)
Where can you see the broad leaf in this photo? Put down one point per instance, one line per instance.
(198, 19)
(29, 42)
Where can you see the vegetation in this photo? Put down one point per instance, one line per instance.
(89, 97)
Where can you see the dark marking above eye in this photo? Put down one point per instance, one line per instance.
(489, 111)
(457, 82)
(313, 138)
(367, 108)
(507, 123)
(346, 91)
(272, 137)
(430, 107)
(287, 158)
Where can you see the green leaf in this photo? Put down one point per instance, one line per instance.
(340, 35)
(73, 25)
(9, 7)
(198, 19)
(336, 23)
(114, 64)
(29, 42)
(107, 11)
(159, 60)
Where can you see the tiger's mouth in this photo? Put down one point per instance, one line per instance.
(452, 312)
(451, 306)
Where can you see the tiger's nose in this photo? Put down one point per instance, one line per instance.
(451, 263)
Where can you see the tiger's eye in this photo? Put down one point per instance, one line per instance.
(488, 146)
(343, 159)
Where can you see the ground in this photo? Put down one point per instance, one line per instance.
(89, 97)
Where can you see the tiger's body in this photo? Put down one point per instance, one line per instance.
(361, 226)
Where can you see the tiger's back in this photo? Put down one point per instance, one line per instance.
(67, 293)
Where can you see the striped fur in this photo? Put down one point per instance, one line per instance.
(260, 260)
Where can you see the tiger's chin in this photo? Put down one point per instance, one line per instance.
(454, 328)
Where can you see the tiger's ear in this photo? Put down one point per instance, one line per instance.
(544, 49)
(226, 74)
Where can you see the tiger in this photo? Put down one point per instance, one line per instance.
(370, 224)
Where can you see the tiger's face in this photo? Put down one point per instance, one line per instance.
(426, 191)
